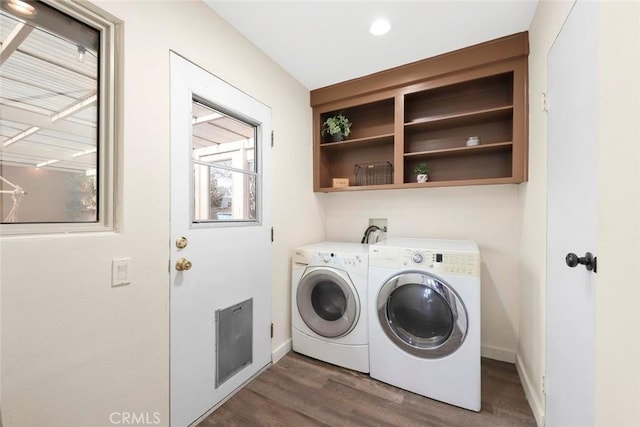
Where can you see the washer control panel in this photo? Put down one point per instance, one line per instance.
(333, 259)
(343, 261)
(458, 263)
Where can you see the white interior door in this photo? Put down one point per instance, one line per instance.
(220, 238)
(572, 219)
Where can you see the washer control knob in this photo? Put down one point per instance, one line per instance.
(326, 258)
(417, 258)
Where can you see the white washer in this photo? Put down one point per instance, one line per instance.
(424, 318)
(329, 303)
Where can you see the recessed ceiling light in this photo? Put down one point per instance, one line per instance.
(379, 27)
(22, 7)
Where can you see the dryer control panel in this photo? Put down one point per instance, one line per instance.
(459, 263)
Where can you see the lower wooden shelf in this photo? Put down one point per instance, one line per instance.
(428, 184)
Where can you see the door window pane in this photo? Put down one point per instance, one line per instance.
(225, 179)
(49, 80)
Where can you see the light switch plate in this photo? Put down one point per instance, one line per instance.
(120, 271)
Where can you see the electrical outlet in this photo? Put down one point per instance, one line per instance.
(379, 222)
(377, 235)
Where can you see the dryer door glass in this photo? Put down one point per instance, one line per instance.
(422, 315)
(327, 302)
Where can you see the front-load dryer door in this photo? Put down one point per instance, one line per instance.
(327, 301)
(422, 315)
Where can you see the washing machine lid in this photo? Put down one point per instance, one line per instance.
(327, 301)
(422, 314)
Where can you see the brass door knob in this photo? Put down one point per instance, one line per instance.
(183, 264)
(181, 242)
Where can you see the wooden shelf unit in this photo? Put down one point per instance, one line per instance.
(424, 112)
(372, 139)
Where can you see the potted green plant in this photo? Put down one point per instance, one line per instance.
(422, 171)
(336, 127)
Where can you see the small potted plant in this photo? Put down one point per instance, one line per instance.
(422, 172)
(336, 128)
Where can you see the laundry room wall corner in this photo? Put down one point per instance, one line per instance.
(297, 215)
(617, 376)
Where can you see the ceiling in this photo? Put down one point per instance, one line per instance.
(325, 42)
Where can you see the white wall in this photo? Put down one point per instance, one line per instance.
(618, 292)
(73, 348)
(545, 26)
(618, 283)
(487, 214)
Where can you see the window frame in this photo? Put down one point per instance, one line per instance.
(109, 121)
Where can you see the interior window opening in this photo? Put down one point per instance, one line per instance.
(55, 142)
(48, 93)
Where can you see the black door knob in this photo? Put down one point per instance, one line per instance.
(588, 260)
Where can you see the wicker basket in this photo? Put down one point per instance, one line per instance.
(375, 173)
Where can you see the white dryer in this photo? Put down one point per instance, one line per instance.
(329, 303)
(424, 318)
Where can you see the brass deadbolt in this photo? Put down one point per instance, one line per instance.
(183, 264)
(181, 242)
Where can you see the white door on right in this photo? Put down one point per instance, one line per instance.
(572, 219)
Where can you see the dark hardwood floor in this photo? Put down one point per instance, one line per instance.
(300, 391)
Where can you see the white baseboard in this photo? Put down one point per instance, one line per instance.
(529, 390)
(497, 353)
(279, 352)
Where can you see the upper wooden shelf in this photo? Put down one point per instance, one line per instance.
(460, 119)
